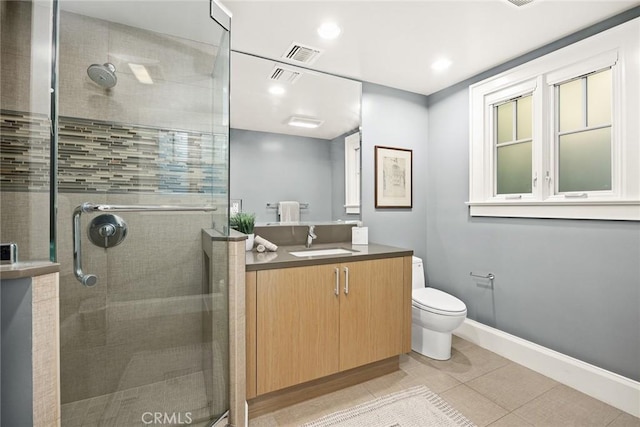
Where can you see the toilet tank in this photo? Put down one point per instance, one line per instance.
(417, 273)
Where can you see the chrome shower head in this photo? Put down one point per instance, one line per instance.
(104, 75)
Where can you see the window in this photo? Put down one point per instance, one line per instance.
(583, 134)
(559, 137)
(352, 173)
(514, 143)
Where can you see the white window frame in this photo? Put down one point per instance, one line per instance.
(618, 48)
(605, 60)
(520, 89)
(495, 146)
(352, 173)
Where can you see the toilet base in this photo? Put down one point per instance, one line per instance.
(436, 345)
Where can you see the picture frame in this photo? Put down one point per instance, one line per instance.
(393, 177)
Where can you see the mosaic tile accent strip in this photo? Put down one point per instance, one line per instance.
(97, 156)
(24, 152)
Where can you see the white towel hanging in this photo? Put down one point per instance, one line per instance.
(289, 211)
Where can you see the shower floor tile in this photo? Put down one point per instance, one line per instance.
(181, 398)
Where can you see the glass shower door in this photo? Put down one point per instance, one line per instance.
(143, 179)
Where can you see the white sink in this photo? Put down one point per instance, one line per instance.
(322, 252)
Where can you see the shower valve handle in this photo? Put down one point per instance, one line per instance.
(108, 230)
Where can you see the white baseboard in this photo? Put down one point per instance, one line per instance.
(616, 390)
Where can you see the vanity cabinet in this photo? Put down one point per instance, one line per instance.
(314, 321)
(298, 326)
(371, 311)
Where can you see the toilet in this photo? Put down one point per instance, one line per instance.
(434, 316)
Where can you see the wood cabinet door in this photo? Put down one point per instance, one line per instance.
(297, 316)
(371, 311)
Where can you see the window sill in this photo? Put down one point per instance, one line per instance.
(602, 210)
(354, 210)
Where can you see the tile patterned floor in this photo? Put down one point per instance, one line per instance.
(488, 389)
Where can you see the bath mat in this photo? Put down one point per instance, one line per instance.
(417, 406)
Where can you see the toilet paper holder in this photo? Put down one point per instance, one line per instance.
(489, 276)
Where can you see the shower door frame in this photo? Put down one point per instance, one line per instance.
(222, 17)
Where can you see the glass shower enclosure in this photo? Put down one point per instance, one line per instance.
(134, 171)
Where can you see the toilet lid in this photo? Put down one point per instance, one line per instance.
(434, 299)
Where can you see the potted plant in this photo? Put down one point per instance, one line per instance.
(244, 223)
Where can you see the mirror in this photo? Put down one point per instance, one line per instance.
(272, 160)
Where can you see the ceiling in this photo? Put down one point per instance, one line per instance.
(394, 43)
(334, 101)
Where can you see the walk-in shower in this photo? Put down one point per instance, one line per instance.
(146, 334)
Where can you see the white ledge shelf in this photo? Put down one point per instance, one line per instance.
(569, 209)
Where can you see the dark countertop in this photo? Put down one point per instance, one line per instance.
(23, 269)
(283, 259)
(234, 235)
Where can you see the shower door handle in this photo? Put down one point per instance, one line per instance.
(85, 279)
(92, 279)
(93, 207)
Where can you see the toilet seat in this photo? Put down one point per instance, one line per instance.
(436, 301)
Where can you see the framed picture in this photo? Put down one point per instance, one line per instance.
(393, 177)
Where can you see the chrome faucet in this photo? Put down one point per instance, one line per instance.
(310, 236)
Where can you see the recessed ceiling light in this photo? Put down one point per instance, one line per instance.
(276, 90)
(304, 122)
(520, 2)
(441, 64)
(329, 30)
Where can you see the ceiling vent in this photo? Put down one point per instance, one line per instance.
(520, 2)
(301, 53)
(284, 75)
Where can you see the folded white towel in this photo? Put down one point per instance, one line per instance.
(267, 244)
(289, 211)
(265, 256)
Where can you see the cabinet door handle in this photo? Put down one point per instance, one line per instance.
(346, 280)
(337, 289)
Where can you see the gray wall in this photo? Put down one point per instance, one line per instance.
(268, 167)
(572, 286)
(16, 373)
(569, 285)
(394, 118)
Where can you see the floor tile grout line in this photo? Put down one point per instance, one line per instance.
(483, 374)
(518, 407)
(558, 385)
(506, 415)
(616, 418)
(491, 400)
(422, 376)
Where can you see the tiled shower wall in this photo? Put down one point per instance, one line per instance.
(120, 158)
(132, 144)
(24, 86)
